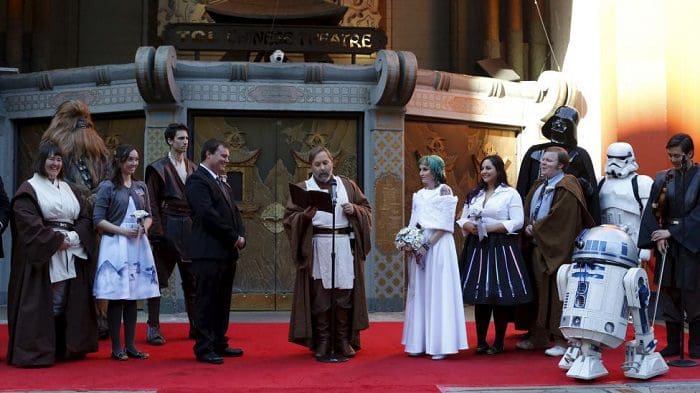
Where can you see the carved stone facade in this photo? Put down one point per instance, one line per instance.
(374, 98)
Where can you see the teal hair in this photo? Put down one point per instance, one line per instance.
(436, 165)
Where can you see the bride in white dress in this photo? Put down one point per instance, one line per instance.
(434, 320)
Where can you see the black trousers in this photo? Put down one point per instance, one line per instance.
(214, 283)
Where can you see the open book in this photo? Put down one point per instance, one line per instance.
(305, 198)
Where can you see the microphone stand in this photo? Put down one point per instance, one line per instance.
(682, 361)
(333, 357)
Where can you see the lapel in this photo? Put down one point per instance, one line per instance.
(214, 184)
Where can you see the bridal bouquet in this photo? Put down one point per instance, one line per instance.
(139, 215)
(410, 239)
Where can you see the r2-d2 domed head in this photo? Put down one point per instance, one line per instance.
(606, 244)
(621, 161)
(561, 127)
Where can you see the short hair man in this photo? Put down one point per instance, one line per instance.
(172, 225)
(309, 231)
(217, 236)
(555, 210)
(673, 229)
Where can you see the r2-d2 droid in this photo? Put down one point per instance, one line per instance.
(600, 289)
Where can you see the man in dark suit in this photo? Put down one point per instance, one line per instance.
(217, 235)
(4, 213)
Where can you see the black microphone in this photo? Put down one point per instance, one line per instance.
(334, 191)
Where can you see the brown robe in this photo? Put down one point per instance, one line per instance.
(568, 216)
(300, 234)
(30, 319)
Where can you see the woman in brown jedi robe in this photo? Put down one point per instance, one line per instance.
(50, 309)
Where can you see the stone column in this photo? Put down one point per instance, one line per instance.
(537, 54)
(384, 185)
(492, 46)
(515, 56)
(15, 31)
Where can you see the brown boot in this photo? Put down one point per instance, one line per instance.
(342, 331)
(322, 334)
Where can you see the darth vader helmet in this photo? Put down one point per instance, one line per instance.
(561, 127)
(621, 161)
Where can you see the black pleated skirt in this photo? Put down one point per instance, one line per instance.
(493, 272)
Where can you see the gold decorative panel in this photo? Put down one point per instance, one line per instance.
(462, 146)
(267, 153)
(388, 192)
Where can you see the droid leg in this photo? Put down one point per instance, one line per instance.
(641, 359)
(589, 364)
(571, 354)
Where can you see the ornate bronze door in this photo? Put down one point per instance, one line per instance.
(266, 154)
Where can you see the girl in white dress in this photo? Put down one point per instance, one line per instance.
(434, 321)
(125, 269)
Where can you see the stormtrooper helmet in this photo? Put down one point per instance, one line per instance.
(621, 162)
(561, 127)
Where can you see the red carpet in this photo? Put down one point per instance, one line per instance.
(271, 364)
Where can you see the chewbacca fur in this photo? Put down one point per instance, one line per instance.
(78, 143)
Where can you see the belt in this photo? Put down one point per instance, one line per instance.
(329, 231)
(59, 224)
(176, 210)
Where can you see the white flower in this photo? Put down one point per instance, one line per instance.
(409, 239)
(474, 213)
(140, 214)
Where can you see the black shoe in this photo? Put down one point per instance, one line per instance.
(211, 358)
(670, 351)
(482, 349)
(136, 354)
(120, 356)
(154, 336)
(229, 352)
(494, 350)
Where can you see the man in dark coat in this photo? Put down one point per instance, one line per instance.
(310, 320)
(671, 225)
(172, 225)
(217, 236)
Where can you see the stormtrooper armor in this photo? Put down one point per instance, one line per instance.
(619, 203)
(600, 289)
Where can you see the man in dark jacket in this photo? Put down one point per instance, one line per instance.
(172, 225)
(217, 236)
(673, 228)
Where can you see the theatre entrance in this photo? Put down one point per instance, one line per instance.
(267, 153)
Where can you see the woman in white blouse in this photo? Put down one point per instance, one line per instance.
(493, 273)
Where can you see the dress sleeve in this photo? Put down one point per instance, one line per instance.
(463, 219)
(102, 201)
